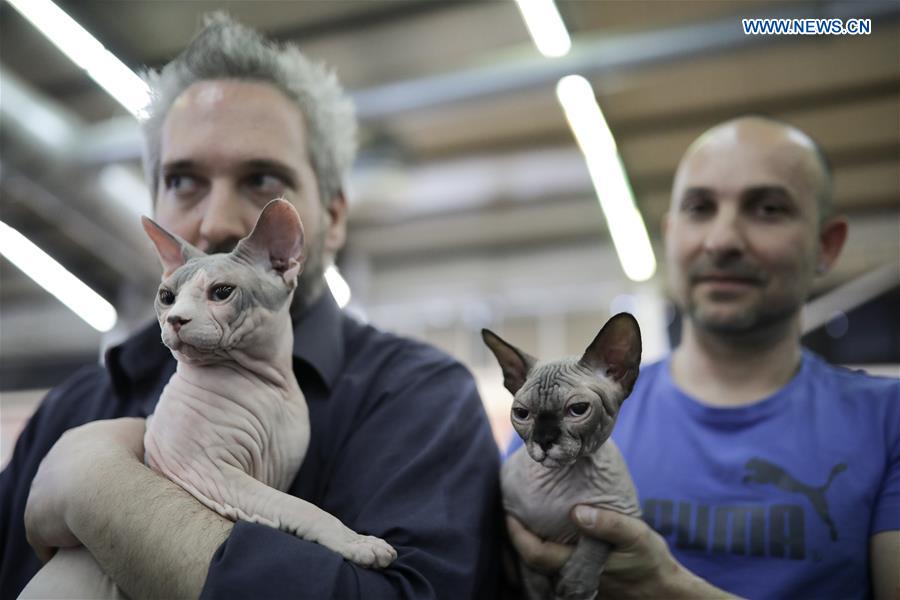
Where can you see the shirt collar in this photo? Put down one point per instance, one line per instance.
(318, 343)
(319, 338)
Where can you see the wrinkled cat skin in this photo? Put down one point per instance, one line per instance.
(231, 426)
(565, 411)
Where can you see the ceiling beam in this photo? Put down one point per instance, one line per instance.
(589, 57)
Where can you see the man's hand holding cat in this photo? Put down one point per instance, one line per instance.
(64, 477)
(640, 565)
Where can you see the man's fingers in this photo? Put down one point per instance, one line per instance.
(542, 556)
(610, 526)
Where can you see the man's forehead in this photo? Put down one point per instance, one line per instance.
(211, 94)
(231, 102)
(234, 122)
(204, 94)
(735, 159)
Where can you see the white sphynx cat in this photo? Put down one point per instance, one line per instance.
(231, 426)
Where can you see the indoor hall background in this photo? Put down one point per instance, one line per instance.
(471, 204)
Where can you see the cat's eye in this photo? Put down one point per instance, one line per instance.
(166, 297)
(579, 409)
(520, 413)
(221, 292)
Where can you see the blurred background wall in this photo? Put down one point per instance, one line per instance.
(471, 202)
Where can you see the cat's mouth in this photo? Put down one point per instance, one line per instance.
(187, 351)
(193, 355)
(549, 458)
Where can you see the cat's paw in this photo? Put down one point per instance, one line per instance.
(367, 551)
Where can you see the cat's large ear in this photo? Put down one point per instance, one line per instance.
(172, 250)
(514, 363)
(276, 241)
(616, 351)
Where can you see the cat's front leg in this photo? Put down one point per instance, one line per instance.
(257, 502)
(579, 579)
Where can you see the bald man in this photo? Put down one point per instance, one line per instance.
(762, 470)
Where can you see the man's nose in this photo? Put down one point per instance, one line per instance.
(725, 235)
(224, 221)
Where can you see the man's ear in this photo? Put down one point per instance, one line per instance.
(616, 351)
(832, 235)
(514, 363)
(336, 224)
(171, 249)
(276, 241)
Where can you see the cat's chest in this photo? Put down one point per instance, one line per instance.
(542, 499)
(214, 420)
(225, 399)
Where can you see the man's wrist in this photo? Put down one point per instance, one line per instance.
(151, 536)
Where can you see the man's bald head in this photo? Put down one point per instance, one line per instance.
(796, 146)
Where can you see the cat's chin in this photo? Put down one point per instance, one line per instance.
(192, 355)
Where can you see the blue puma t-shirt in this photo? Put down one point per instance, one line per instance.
(775, 499)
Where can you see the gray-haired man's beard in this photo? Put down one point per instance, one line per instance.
(310, 286)
(311, 282)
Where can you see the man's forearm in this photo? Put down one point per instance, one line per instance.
(152, 537)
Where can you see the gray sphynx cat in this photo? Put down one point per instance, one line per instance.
(565, 411)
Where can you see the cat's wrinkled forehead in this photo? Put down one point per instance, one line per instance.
(257, 285)
(559, 376)
(549, 383)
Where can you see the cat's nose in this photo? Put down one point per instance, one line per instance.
(177, 322)
(545, 445)
(546, 437)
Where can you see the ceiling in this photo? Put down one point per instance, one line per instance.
(465, 152)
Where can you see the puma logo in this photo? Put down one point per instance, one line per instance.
(764, 472)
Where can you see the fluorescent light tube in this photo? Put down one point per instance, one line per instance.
(339, 287)
(626, 226)
(42, 120)
(85, 51)
(546, 27)
(53, 277)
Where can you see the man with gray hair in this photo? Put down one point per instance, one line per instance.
(400, 446)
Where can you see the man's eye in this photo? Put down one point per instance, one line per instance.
(697, 207)
(771, 210)
(520, 413)
(579, 409)
(267, 184)
(221, 292)
(166, 297)
(180, 184)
